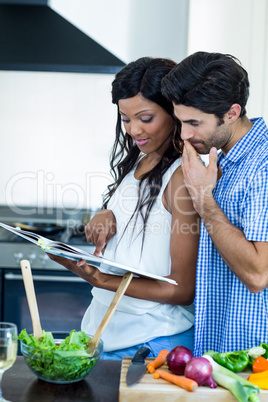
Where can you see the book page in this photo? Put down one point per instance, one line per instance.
(30, 236)
(76, 254)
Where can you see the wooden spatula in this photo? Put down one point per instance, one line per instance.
(94, 341)
(31, 298)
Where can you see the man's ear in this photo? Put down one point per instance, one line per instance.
(233, 113)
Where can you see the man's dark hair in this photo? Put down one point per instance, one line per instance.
(211, 82)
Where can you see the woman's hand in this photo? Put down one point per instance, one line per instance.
(100, 229)
(90, 274)
(79, 268)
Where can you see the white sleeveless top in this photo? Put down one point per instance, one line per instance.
(135, 320)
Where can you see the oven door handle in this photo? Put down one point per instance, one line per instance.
(42, 278)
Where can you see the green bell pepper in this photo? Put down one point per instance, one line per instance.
(234, 361)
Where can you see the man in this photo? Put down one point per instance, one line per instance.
(209, 92)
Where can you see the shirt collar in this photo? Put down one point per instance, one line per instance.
(245, 145)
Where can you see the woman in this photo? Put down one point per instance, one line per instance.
(157, 229)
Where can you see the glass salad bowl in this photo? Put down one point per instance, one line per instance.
(60, 357)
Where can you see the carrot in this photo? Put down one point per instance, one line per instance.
(183, 382)
(260, 364)
(158, 361)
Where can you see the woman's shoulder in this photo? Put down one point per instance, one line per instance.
(174, 168)
(173, 178)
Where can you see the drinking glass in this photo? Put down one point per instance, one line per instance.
(8, 349)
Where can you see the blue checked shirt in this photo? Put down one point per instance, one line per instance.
(227, 316)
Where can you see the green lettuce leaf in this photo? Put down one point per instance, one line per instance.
(67, 361)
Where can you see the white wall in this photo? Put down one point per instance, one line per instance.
(57, 129)
(238, 27)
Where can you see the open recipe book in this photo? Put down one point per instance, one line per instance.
(76, 254)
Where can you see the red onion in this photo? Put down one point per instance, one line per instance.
(177, 359)
(199, 369)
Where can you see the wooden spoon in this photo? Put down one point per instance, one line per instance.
(94, 341)
(31, 298)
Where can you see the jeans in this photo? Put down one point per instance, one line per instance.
(163, 342)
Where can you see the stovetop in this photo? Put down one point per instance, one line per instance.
(58, 216)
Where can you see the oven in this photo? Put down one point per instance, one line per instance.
(62, 297)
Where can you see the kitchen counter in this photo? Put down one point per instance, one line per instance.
(19, 384)
(102, 385)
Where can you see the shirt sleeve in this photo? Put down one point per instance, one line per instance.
(255, 211)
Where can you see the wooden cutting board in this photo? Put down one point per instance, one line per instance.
(150, 389)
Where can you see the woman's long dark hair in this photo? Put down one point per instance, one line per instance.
(143, 77)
